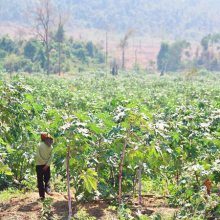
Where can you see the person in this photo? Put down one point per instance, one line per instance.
(43, 161)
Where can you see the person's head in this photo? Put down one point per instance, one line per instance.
(47, 139)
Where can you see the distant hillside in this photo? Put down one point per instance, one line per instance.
(190, 19)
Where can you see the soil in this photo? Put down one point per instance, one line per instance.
(28, 207)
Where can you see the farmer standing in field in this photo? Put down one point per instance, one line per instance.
(43, 161)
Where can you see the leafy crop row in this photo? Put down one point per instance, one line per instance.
(122, 132)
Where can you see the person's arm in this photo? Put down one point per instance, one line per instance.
(50, 159)
(48, 162)
(38, 155)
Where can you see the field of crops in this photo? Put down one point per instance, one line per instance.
(129, 135)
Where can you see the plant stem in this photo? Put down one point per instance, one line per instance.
(139, 184)
(68, 182)
(120, 172)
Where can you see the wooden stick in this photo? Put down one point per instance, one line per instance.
(68, 183)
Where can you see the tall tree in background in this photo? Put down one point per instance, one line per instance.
(59, 37)
(170, 56)
(209, 58)
(162, 58)
(43, 17)
(123, 45)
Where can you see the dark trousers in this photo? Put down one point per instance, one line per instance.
(43, 178)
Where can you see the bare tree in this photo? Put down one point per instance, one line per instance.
(123, 45)
(43, 16)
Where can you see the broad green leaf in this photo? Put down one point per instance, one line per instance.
(89, 178)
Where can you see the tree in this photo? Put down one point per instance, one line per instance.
(40, 57)
(169, 57)
(205, 42)
(123, 45)
(43, 16)
(12, 63)
(3, 54)
(162, 58)
(114, 68)
(176, 54)
(91, 49)
(81, 54)
(8, 45)
(30, 50)
(59, 37)
(209, 56)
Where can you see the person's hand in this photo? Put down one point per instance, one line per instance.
(45, 168)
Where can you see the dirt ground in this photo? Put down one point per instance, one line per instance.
(27, 207)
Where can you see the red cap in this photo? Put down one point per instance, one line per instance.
(45, 136)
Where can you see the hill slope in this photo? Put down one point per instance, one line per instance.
(176, 19)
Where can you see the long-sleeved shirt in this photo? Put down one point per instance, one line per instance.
(44, 154)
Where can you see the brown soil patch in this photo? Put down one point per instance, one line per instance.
(27, 207)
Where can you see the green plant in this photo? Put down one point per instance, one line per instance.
(83, 215)
(124, 213)
(46, 213)
(6, 195)
(127, 135)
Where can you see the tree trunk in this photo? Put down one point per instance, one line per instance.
(134, 183)
(140, 184)
(59, 50)
(123, 58)
(48, 59)
(120, 173)
(177, 177)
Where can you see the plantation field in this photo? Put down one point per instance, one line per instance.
(130, 136)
